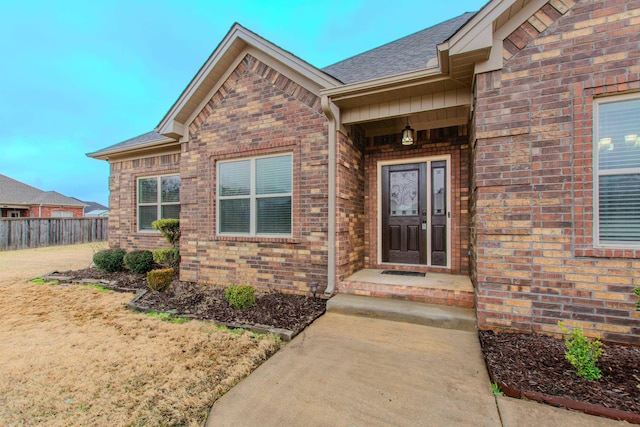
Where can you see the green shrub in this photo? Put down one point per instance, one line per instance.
(582, 354)
(637, 292)
(109, 260)
(169, 257)
(170, 229)
(240, 297)
(140, 261)
(160, 279)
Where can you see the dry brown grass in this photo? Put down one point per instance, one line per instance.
(75, 356)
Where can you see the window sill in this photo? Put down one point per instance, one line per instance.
(256, 239)
(630, 253)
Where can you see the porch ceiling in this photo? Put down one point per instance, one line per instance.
(431, 119)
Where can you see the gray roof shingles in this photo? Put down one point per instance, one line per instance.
(14, 192)
(407, 54)
(139, 140)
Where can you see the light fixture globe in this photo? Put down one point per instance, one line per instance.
(407, 135)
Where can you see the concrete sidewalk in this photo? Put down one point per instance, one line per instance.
(355, 371)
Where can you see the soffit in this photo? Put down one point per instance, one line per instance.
(431, 119)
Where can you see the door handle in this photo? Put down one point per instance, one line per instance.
(424, 212)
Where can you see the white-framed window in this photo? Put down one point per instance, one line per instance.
(158, 198)
(254, 196)
(616, 151)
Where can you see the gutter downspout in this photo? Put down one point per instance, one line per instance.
(333, 114)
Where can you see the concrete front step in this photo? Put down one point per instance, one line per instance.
(440, 316)
(433, 288)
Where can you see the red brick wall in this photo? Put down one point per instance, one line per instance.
(48, 211)
(532, 225)
(256, 111)
(123, 217)
(453, 142)
(350, 223)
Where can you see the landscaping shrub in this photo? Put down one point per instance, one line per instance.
(582, 354)
(240, 297)
(109, 260)
(637, 292)
(140, 261)
(160, 279)
(170, 229)
(169, 257)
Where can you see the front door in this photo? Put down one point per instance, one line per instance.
(414, 213)
(404, 213)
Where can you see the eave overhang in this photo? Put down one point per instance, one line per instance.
(151, 147)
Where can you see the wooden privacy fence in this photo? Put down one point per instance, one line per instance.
(23, 233)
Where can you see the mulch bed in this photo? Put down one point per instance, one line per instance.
(533, 364)
(206, 302)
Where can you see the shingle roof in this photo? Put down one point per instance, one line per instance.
(140, 140)
(407, 54)
(18, 193)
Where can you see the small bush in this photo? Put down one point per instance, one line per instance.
(637, 292)
(168, 257)
(140, 261)
(109, 260)
(582, 354)
(240, 297)
(160, 279)
(170, 229)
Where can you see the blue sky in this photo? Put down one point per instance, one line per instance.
(78, 76)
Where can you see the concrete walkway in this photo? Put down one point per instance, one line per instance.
(348, 370)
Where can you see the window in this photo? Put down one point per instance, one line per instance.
(617, 171)
(158, 198)
(61, 214)
(254, 196)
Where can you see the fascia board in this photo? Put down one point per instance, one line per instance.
(383, 84)
(105, 154)
(478, 32)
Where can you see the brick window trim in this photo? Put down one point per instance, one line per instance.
(584, 98)
(146, 174)
(273, 148)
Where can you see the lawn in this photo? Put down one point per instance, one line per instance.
(73, 355)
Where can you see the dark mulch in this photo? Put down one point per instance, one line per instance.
(536, 363)
(185, 299)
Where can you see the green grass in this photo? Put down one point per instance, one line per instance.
(97, 287)
(40, 281)
(496, 390)
(167, 317)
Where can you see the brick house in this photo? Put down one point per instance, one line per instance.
(496, 153)
(19, 200)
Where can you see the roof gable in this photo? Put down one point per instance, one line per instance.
(222, 61)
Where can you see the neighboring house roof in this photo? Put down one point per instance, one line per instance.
(407, 54)
(97, 212)
(92, 206)
(14, 192)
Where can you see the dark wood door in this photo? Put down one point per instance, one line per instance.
(439, 213)
(404, 213)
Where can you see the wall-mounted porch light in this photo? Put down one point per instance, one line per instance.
(407, 134)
